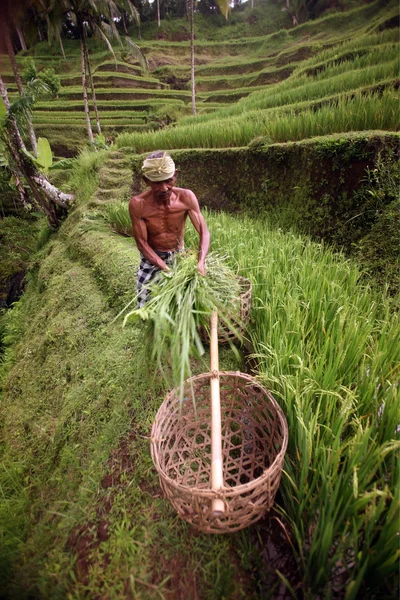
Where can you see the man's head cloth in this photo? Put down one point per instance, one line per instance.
(158, 166)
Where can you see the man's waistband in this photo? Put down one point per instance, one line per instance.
(167, 253)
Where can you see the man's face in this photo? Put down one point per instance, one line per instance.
(162, 189)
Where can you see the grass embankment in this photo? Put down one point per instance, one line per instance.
(81, 511)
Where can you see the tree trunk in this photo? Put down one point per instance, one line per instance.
(158, 13)
(4, 95)
(18, 80)
(28, 171)
(53, 193)
(191, 17)
(62, 48)
(39, 32)
(84, 88)
(124, 23)
(89, 71)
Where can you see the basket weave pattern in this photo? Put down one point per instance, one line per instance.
(254, 440)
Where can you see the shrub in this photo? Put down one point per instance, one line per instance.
(30, 71)
(52, 80)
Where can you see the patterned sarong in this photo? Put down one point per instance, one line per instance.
(147, 272)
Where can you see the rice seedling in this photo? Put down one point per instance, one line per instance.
(180, 305)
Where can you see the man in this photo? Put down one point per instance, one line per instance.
(158, 221)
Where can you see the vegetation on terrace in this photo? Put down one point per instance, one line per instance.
(325, 61)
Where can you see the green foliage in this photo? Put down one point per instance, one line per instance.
(18, 244)
(49, 77)
(84, 176)
(44, 154)
(181, 304)
(379, 250)
(44, 158)
(117, 215)
(100, 142)
(30, 70)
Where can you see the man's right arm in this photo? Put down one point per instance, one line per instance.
(139, 231)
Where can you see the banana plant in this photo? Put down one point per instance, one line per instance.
(44, 158)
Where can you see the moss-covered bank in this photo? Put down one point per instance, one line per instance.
(342, 189)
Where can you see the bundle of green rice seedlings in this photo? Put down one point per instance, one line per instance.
(181, 303)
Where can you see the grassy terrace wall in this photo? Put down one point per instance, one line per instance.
(341, 189)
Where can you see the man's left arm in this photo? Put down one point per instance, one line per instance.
(200, 226)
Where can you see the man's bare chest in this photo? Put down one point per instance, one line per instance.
(165, 218)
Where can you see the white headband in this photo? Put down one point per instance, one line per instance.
(158, 169)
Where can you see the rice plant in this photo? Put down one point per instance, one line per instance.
(180, 306)
(361, 112)
(117, 216)
(301, 88)
(329, 350)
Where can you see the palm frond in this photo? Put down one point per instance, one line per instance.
(224, 7)
(103, 36)
(131, 10)
(137, 53)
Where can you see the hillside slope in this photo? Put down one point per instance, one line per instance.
(318, 62)
(81, 513)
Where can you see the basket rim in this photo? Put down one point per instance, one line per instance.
(238, 489)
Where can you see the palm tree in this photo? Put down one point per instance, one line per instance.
(95, 18)
(158, 13)
(192, 80)
(13, 14)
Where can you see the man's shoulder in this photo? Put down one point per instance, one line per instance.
(136, 202)
(185, 195)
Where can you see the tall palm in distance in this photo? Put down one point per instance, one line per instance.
(97, 19)
(13, 15)
(224, 8)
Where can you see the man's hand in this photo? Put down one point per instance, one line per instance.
(201, 267)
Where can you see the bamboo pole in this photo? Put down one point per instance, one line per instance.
(217, 481)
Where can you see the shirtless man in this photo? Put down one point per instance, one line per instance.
(158, 221)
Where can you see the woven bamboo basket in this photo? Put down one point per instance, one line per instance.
(254, 440)
(243, 315)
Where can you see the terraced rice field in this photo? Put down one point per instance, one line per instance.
(300, 70)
